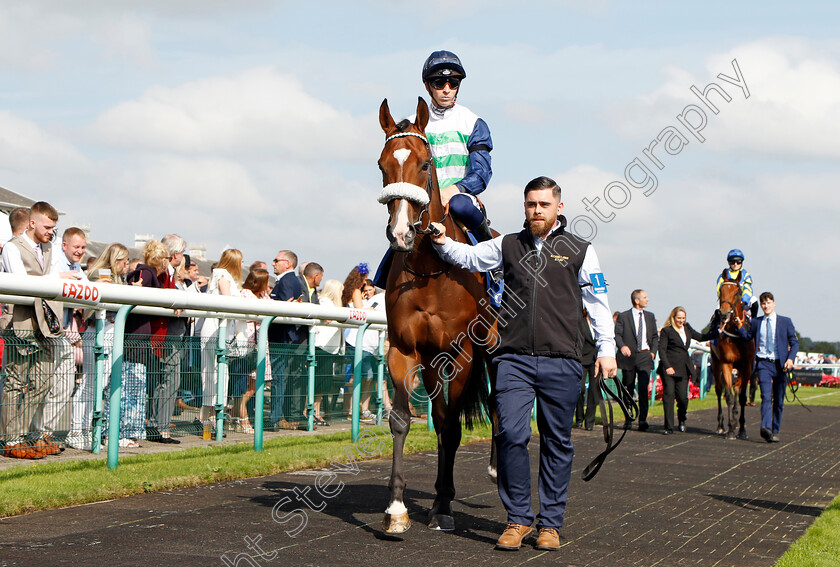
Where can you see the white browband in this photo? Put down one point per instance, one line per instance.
(403, 190)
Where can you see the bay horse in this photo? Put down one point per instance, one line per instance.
(440, 322)
(732, 352)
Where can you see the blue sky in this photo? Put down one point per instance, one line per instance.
(253, 124)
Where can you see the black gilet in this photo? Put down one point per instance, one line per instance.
(541, 306)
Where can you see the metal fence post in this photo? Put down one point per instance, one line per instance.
(310, 389)
(259, 408)
(704, 374)
(654, 380)
(221, 379)
(357, 379)
(380, 376)
(98, 382)
(116, 386)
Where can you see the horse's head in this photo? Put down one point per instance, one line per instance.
(408, 175)
(730, 298)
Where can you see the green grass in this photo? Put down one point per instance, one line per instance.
(820, 546)
(28, 488)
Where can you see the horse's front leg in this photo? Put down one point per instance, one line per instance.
(731, 401)
(719, 393)
(743, 382)
(403, 370)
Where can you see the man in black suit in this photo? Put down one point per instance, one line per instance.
(310, 278)
(283, 345)
(637, 340)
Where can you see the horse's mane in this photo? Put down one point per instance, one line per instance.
(403, 124)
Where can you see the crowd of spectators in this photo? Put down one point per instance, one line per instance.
(169, 363)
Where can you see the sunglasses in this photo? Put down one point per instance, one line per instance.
(735, 262)
(439, 82)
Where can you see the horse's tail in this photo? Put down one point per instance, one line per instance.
(474, 408)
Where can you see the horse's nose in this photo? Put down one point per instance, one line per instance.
(409, 237)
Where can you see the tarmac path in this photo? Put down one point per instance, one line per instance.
(684, 499)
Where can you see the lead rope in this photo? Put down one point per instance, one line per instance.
(606, 411)
(794, 387)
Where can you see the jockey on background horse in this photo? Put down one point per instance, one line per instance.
(735, 259)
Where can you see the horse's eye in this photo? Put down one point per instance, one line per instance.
(425, 166)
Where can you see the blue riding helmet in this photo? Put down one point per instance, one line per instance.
(735, 254)
(444, 64)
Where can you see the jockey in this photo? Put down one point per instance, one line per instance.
(735, 258)
(460, 143)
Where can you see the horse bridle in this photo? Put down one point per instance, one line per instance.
(418, 226)
(725, 321)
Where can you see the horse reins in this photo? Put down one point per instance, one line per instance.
(609, 429)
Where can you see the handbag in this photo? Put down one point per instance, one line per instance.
(239, 344)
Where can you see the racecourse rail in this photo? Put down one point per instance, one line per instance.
(124, 299)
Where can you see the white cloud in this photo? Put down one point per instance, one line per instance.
(25, 146)
(793, 109)
(259, 112)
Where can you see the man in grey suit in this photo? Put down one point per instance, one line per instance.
(637, 340)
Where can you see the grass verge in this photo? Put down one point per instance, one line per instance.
(28, 488)
(820, 546)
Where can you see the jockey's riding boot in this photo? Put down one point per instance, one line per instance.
(482, 232)
(753, 310)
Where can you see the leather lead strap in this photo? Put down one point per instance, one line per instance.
(607, 417)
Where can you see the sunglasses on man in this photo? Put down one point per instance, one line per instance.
(439, 82)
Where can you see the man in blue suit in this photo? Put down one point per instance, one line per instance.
(776, 346)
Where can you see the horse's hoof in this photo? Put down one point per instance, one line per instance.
(442, 522)
(491, 473)
(742, 435)
(720, 431)
(730, 436)
(396, 523)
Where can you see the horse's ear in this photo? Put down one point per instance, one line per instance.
(422, 114)
(385, 119)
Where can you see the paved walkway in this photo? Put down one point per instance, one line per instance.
(684, 499)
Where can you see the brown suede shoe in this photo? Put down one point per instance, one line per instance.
(511, 538)
(22, 451)
(60, 446)
(46, 449)
(549, 539)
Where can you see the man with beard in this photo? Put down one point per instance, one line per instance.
(548, 273)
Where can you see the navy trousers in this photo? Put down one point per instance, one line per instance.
(555, 383)
(771, 381)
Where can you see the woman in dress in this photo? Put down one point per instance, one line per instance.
(243, 369)
(328, 343)
(675, 365)
(226, 279)
(140, 330)
(110, 267)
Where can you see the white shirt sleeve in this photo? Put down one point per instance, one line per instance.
(482, 257)
(12, 262)
(597, 304)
